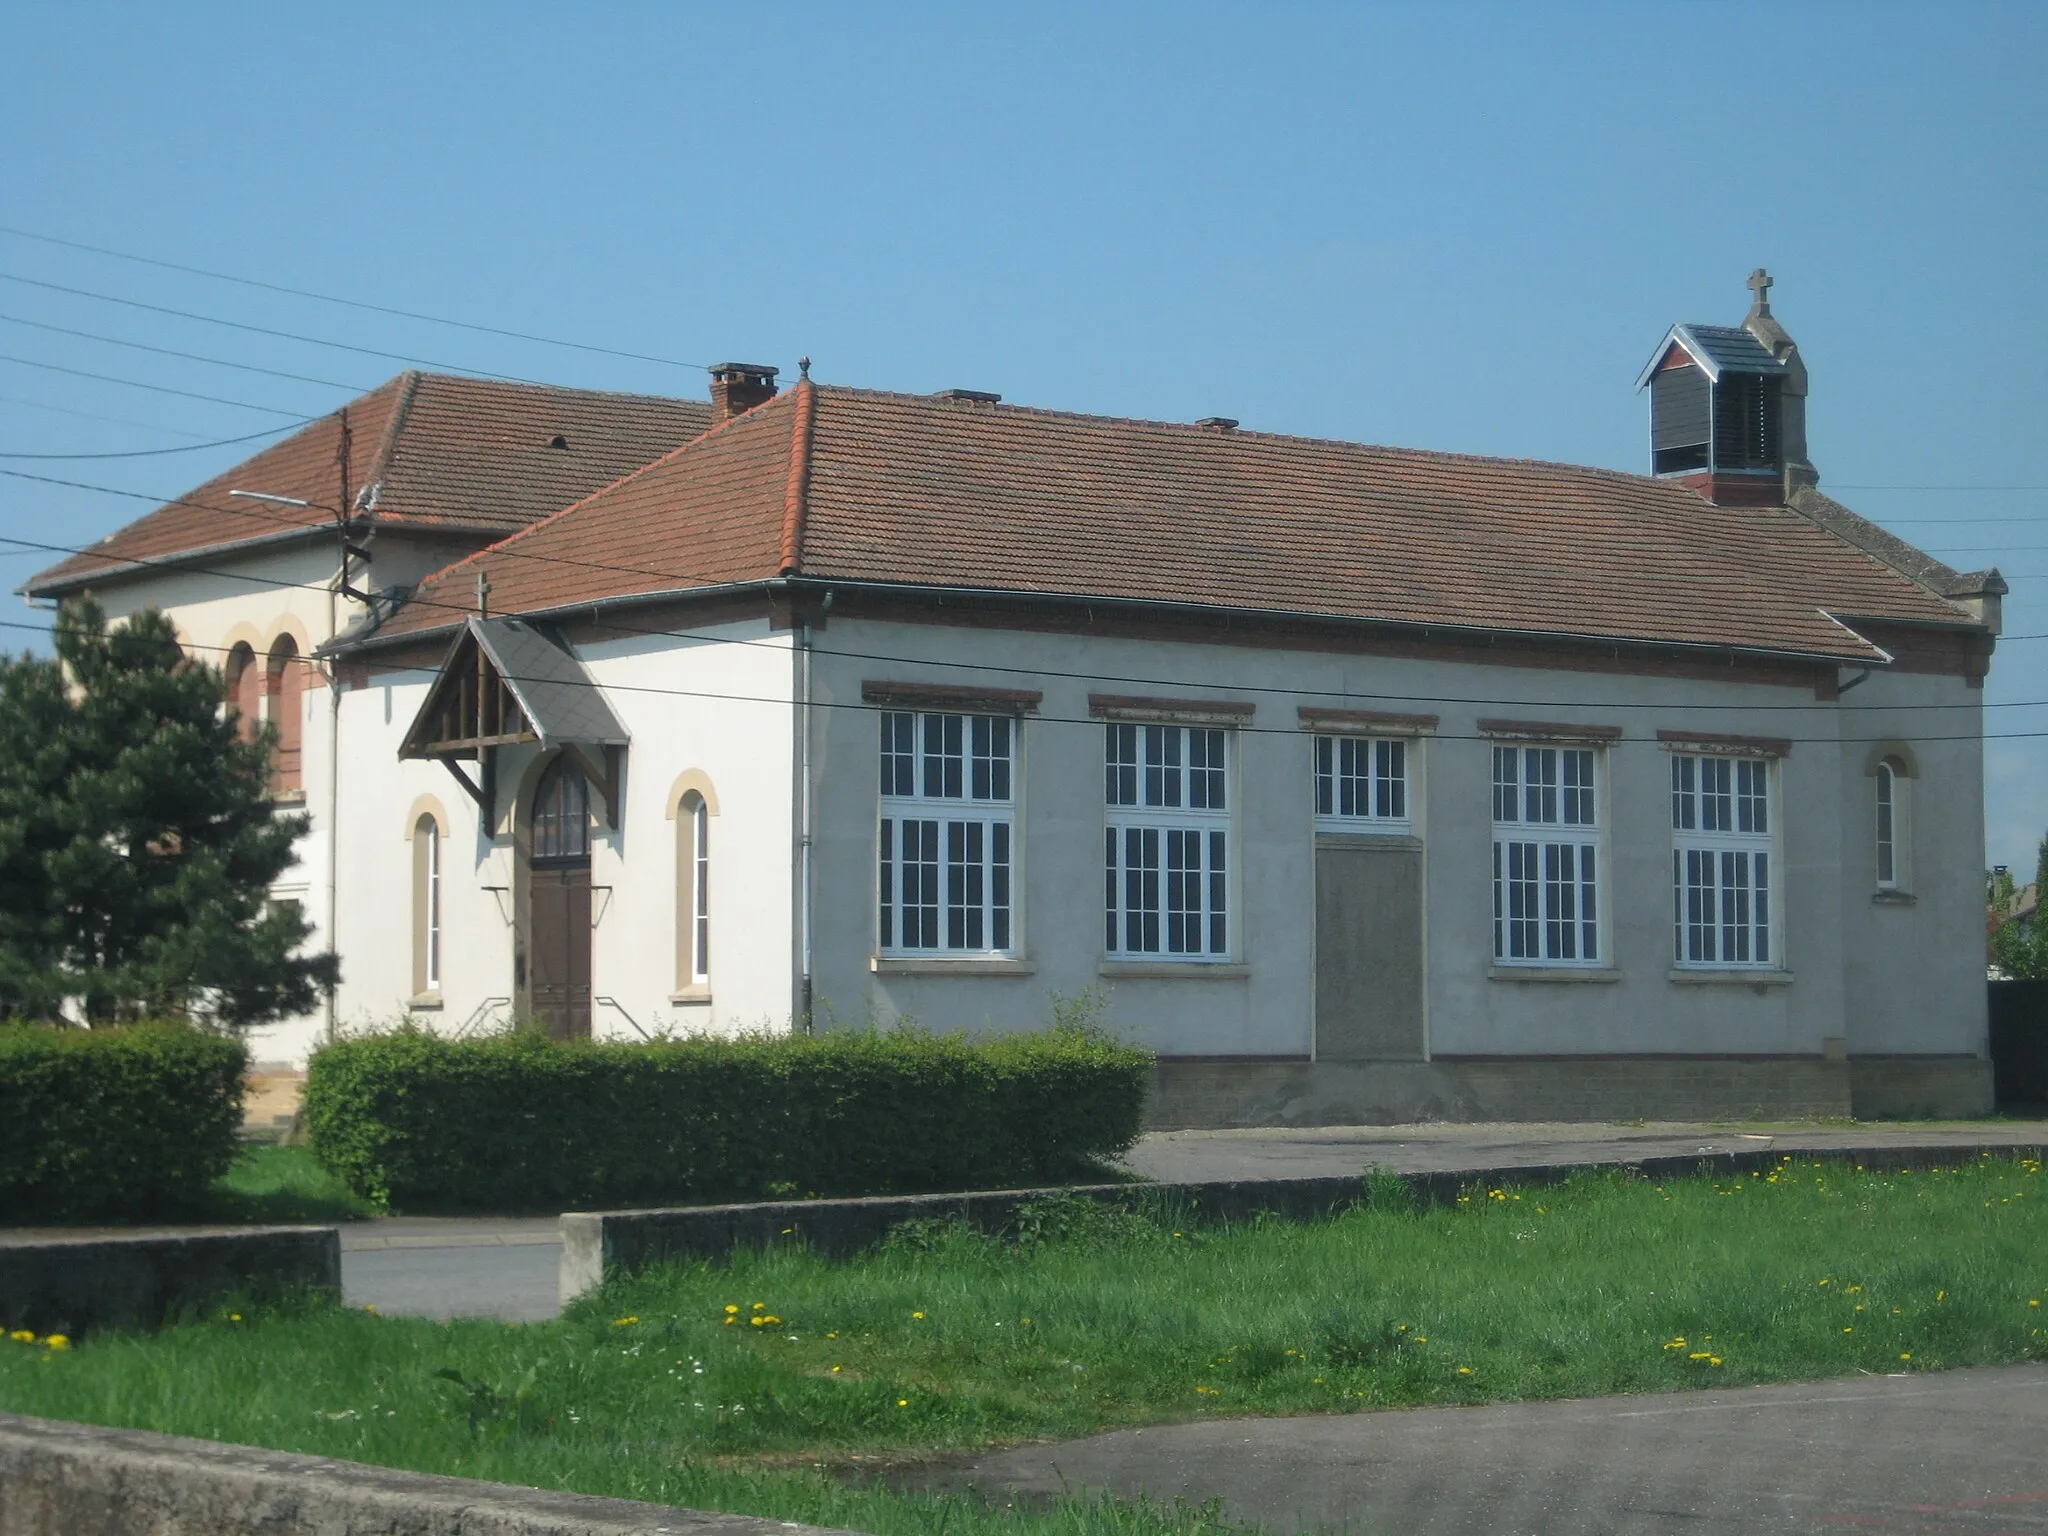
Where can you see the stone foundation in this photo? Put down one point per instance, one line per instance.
(1919, 1087)
(1191, 1093)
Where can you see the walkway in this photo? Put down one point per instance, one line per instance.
(1952, 1452)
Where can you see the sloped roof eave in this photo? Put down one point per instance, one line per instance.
(119, 569)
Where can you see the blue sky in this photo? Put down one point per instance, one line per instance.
(1457, 226)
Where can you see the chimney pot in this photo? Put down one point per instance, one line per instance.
(737, 388)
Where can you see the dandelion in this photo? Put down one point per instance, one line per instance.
(2033, 1301)
(369, 1309)
(58, 1342)
(1464, 1370)
(919, 1316)
(624, 1322)
(835, 1370)
(22, 1336)
(902, 1402)
(1906, 1357)
(234, 1317)
(760, 1306)
(731, 1307)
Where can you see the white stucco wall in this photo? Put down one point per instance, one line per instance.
(1894, 978)
(716, 708)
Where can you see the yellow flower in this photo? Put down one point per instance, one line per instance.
(624, 1322)
(57, 1341)
(760, 1306)
(732, 1306)
(1848, 1330)
(902, 1402)
(1464, 1370)
(918, 1315)
(234, 1317)
(831, 1335)
(730, 1321)
(835, 1370)
(1905, 1357)
(22, 1336)
(758, 1321)
(2033, 1301)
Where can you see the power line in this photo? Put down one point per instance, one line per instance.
(264, 330)
(328, 298)
(161, 389)
(150, 453)
(116, 421)
(1035, 672)
(193, 357)
(1846, 487)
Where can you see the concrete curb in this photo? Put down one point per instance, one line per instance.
(74, 1284)
(59, 1479)
(601, 1245)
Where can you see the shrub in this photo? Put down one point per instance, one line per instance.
(115, 1124)
(518, 1121)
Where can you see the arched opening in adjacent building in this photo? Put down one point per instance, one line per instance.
(285, 685)
(558, 902)
(245, 691)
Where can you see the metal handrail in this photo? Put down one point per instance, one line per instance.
(476, 1016)
(613, 1002)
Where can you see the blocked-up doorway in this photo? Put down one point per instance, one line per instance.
(1369, 952)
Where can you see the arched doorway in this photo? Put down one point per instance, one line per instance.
(558, 892)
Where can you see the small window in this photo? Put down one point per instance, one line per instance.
(426, 905)
(561, 813)
(245, 691)
(1362, 784)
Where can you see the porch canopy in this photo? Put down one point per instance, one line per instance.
(505, 683)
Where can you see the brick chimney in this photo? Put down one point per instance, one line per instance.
(737, 388)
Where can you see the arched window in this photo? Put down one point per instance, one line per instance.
(561, 813)
(245, 691)
(285, 683)
(693, 892)
(426, 906)
(1894, 825)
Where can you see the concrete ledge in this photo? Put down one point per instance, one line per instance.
(73, 1284)
(60, 1479)
(603, 1245)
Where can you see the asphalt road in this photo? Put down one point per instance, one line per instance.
(1955, 1453)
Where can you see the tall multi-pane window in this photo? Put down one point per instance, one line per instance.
(693, 890)
(1546, 856)
(1721, 861)
(1362, 783)
(1893, 841)
(948, 813)
(1166, 842)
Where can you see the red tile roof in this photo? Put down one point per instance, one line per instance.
(439, 450)
(858, 486)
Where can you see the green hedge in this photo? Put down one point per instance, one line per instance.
(518, 1122)
(115, 1124)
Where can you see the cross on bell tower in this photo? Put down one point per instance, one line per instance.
(1760, 285)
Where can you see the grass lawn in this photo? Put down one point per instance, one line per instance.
(752, 1387)
(272, 1183)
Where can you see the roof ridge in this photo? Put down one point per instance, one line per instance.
(387, 445)
(797, 492)
(631, 475)
(1189, 428)
(553, 389)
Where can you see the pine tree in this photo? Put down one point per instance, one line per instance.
(137, 841)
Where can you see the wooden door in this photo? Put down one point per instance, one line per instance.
(1369, 956)
(560, 946)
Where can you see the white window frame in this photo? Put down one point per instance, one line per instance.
(428, 830)
(1168, 854)
(1550, 855)
(1892, 827)
(947, 852)
(700, 893)
(1725, 885)
(1364, 783)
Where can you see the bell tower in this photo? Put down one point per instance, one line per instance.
(1728, 407)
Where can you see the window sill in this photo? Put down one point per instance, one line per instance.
(950, 965)
(1172, 970)
(426, 1002)
(1732, 977)
(694, 994)
(1563, 973)
(1893, 898)
(284, 797)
